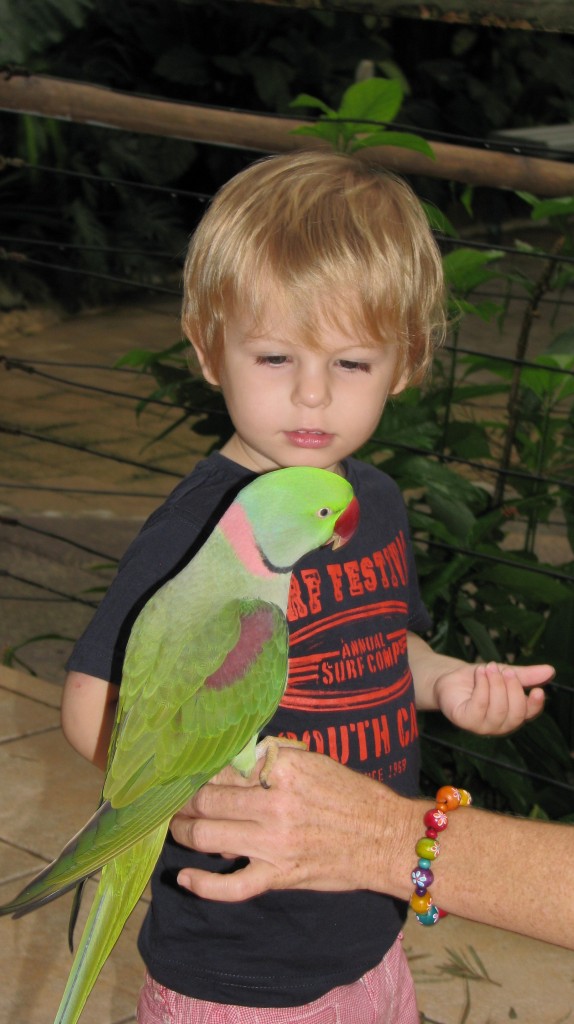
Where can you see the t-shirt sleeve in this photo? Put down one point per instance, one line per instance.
(165, 544)
(419, 618)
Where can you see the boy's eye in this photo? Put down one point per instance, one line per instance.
(271, 360)
(353, 364)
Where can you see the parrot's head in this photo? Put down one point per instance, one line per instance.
(293, 511)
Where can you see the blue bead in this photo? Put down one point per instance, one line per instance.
(424, 863)
(431, 917)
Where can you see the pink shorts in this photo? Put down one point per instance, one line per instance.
(384, 995)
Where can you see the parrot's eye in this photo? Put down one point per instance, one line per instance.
(324, 512)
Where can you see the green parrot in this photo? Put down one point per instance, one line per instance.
(204, 671)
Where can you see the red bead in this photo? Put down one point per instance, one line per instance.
(431, 833)
(436, 819)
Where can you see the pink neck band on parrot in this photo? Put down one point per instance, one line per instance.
(237, 529)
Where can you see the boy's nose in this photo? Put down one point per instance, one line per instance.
(311, 390)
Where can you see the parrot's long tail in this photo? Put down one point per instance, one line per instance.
(122, 883)
(109, 832)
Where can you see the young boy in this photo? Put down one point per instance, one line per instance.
(313, 292)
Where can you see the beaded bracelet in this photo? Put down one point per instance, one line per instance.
(448, 798)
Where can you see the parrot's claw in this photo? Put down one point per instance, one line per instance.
(268, 749)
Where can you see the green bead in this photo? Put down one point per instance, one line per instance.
(427, 848)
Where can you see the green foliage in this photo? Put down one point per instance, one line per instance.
(196, 52)
(10, 655)
(52, 21)
(376, 100)
(489, 599)
(474, 547)
(255, 57)
(203, 408)
(469, 967)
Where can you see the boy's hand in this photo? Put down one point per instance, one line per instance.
(491, 699)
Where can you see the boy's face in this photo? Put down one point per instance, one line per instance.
(293, 405)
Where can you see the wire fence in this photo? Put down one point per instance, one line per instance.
(15, 249)
(13, 363)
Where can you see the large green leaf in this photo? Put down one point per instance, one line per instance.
(499, 757)
(468, 440)
(438, 581)
(406, 140)
(486, 648)
(529, 586)
(456, 515)
(519, 621)
(548, 208)
(466, 269)
(375, 99)
(417, 471)
(438, 220)
(313, 103)
(422, 522)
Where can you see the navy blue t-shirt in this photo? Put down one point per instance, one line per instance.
(349, 695)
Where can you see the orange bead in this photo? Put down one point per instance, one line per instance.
(448, 797)
(421, 904)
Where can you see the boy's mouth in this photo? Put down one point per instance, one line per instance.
(309, 438)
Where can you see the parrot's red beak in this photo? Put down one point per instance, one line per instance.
(346, 524)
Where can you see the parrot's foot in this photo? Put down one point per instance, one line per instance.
(268, 749)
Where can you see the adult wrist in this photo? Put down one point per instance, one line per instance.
(397, 831)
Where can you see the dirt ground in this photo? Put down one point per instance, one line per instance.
(49, 491)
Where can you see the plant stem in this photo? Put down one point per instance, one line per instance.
(450, 388)
(530, 539)
(512, 407)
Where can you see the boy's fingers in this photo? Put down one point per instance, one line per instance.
(501, 695)
(535, 675)
(535, 702)
(481, 693)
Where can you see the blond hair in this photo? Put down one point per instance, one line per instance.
(334, 238)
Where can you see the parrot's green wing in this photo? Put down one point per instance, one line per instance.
(203, 713)
(202, 700)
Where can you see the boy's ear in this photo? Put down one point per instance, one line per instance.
(401, 383)
(204, 364)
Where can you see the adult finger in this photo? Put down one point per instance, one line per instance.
(245, 883)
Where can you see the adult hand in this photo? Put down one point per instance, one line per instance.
(320, 826)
